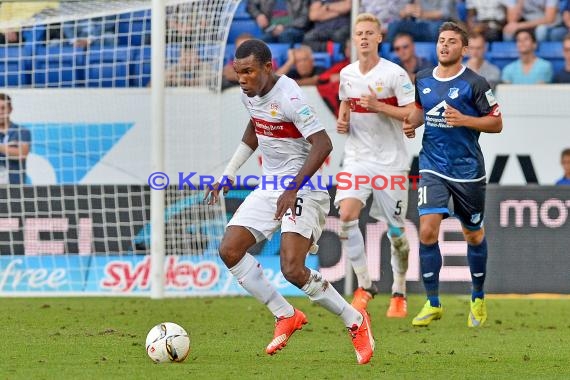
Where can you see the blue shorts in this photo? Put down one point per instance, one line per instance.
(468, 198)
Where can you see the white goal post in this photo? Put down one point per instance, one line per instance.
(112, 91)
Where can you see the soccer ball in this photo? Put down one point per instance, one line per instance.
(167, 342)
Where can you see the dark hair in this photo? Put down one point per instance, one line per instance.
(454, 27)
(257, 48)
(6, 98)
(530, 33)
(565, 152)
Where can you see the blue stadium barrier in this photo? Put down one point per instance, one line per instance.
(58, 66)
(15, 66)
(243, 26)
(108, 67)
(139, 68)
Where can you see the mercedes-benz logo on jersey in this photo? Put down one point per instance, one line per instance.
(453, 92)
(426, 90)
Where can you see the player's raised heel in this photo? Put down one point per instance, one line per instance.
(363, 296)
(284, 328)
(427, 314)
(398, 307)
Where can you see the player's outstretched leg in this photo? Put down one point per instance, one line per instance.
(353, 244)
(430, 264)
(249, 274)
(400, 250)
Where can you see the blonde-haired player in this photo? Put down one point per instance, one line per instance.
(375, 95)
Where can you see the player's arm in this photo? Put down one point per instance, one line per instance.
(321, 147)
(245, 149)
(371, 103)
(343, 120)
(492, 123)
(413, 121)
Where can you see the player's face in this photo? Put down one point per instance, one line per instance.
(253, 76)
(476, 48)
(367, 37)
(450, 49)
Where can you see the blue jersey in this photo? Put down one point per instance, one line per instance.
(453, 152)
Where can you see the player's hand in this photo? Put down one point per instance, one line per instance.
(286, 201)
(369, 101)
(212, 194)
(343, 123)
(453, 117)
(408, 128)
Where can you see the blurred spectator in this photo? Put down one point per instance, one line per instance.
(331, 20)
(84, 33)
(328, 81)
(186, 71)
(387, 11)
(16, 12)
(229, 76)
(300, 66)
(565, 162)
(563, 76)
(477, 48)
(422, 19)
(488, 17)
(559, 33)
(283, 21)
(540, 15)
(405, 50)
(15, 145)
(528, 69)
(181, 18)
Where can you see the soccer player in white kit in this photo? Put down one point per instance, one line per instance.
(375, 95)
(293, 145)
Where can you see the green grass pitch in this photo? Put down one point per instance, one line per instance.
(103, 338)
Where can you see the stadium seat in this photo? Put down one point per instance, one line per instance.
(504, 49)
(139, 68)
(241, 11)
(557, 64)
(134, 28)
(34, 34)
(322, 59)
(243, 26)
(58, 66)
(461, 9)
(427, 51)
(15, 66)
(108, 67)
(279, 52)
(550, 49)
(229, 53)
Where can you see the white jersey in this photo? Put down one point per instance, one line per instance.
(282, 120)
(372, 136)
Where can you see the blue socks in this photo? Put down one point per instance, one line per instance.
(477, 258)
(430, 264)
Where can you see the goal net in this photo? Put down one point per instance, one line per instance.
(75, 215)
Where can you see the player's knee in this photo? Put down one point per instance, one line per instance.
(428, 234)
(230, 254)
(294, 273)
(474, 237)
(346, 227)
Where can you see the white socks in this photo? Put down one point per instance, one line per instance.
(323, 293)
(400, 250)
(353, 243)
(250, 275)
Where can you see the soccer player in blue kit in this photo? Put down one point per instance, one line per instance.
(456, 105)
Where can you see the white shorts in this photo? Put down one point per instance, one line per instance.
(257, 211)
(390, 200)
